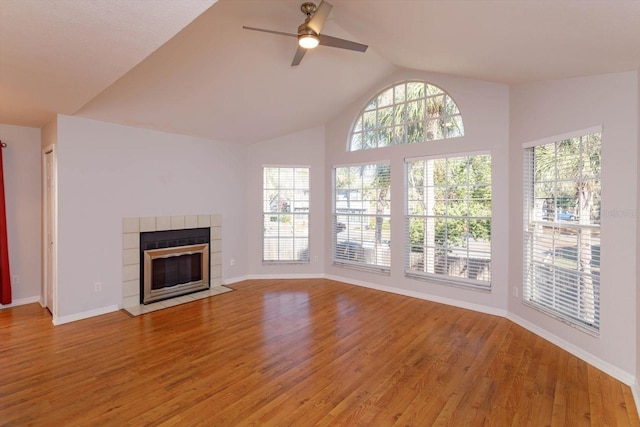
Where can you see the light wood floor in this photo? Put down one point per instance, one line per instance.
(297, 352)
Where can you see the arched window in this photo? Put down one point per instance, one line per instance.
(406, 113)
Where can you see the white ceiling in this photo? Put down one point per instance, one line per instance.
(56, 55)
(98, 58)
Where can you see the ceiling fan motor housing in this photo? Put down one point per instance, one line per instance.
(304, 30)
(308, 8)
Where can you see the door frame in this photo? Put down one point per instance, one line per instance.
(46, 197)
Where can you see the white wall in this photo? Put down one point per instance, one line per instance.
(299, 149)
(107, 172)
(546, 109)
(485, 110)
(22, 160)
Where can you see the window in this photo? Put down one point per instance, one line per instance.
(406, 113)
(285, 212)
(448, 220)
(562, 229)
(361, 217)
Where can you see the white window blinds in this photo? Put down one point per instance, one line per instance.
(285, 213)
(562, 229)
(361, 217)
(448, 220)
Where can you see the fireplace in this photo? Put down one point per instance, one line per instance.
(173, 263)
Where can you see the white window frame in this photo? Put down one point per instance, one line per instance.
(549, 284)
(294, 210)
(468, 250)
(386, 118)
(364, 252)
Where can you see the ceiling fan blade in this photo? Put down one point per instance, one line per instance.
(319, 16)
(298, 56)
(270, 31)
(341, 43)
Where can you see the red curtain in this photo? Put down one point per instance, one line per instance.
(5, 275)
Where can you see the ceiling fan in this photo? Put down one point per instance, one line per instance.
(309, 35)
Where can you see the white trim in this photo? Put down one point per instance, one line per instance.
(273, 277)
(560, 317)
(271, 243)
(563, 136)
(21, 301)
(233, 280)
(620, 374)
(585, 316)
(357, 164)
(424, 119)
(459, 282)
(635, 391)
(280, 166)
(448, 155)
(441, 300)
(53, 149)
(84, 315)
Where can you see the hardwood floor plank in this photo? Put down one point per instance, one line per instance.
(300, 353)
(629, 404)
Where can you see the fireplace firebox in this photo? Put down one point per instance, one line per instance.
(173, 263)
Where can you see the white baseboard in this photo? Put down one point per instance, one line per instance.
(84, 315)
(448, 301)
(620, 374)
(285, 276)
(232, 280)
(273, 277)
(21, 301)
(635, 390)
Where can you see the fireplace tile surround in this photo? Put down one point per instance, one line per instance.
(131, 229)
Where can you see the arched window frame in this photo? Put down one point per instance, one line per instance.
(400, 114)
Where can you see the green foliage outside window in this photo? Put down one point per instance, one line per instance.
(461, 200)
(406, 113)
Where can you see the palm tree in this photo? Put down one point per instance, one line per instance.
(451, 188)
(571, 169)
(382, 185)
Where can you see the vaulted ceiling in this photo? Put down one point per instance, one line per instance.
(188, 66)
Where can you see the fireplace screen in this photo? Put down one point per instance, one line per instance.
(175, 270)
(173, 266)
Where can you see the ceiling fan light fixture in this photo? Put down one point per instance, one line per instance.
(308, 41)
(310, 33)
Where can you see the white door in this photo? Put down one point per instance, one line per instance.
(49, 220)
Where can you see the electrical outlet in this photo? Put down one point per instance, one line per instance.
(15, 280)
(97, 287)
(232, 262)
(515, 292)
(315, 258)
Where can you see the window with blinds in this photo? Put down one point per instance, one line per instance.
(361, 217)
(448, 220)
(285, 213)
(562, 229)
